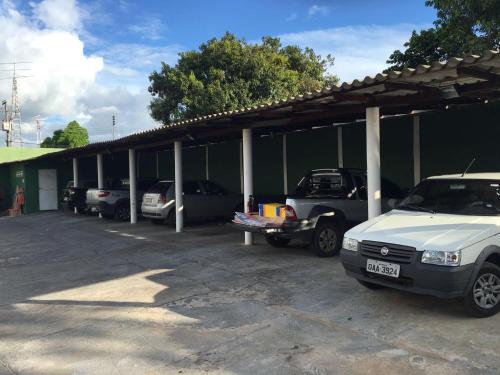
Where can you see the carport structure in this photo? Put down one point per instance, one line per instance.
(457, 82)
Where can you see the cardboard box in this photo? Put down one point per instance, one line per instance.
(271, 210)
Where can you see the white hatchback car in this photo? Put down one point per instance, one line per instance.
(442, 240)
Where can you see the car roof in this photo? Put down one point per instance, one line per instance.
(470, 176)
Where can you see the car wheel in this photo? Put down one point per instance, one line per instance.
(276, 241)
(327, 239)
(158, 221)
(122, 212)
(171, 218)
(483, 299)
(368, 285)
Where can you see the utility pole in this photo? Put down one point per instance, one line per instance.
(114, 125)
(38, 132)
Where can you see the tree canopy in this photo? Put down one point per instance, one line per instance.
(229, 73)
(74, 135)
(462, 27)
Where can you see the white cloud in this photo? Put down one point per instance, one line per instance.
(358, 50)
(318, 10)
(65, 83)
(291, 17)
(58, 14)
(151, 29)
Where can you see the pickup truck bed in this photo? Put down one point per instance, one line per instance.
(327, 203)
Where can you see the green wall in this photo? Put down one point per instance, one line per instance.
(193, 163)
(354, 145)
(449, 140)
(308, 150)
(268, 165)
(5, 195)
(224, 164)
(396, 150)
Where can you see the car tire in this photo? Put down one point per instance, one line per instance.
(158, 221)
(327, 239)
(171, 218)
(483, 298)
(122, 212)
(106, 216)
(369, 285)
(276, 241)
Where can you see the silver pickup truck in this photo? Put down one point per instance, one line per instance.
(114, 202)
(326, 203)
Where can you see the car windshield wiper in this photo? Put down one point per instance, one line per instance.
(416, 208)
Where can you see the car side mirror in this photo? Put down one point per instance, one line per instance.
(393, 203)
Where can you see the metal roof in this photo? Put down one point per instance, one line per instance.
(456, 81)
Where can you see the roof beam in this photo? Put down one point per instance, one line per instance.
(430, 90)
(473, 71)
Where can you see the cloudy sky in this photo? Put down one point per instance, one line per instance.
(91, 59)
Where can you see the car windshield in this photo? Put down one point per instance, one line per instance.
(455, 196)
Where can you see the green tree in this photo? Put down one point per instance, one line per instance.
(229, 73)
(73, 135)
(462, 27)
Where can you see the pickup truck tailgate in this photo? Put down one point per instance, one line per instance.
(92, 196)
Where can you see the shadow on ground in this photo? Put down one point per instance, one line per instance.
(83, 295)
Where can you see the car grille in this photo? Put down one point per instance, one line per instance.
(397, 253)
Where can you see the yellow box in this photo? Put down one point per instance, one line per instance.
(272, 210)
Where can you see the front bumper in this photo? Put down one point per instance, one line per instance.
(416, 277)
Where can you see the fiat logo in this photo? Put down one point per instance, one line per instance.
(384, 251)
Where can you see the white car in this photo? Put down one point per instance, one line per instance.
(442, 240)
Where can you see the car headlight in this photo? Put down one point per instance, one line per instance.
(350, 244)
(442, 258)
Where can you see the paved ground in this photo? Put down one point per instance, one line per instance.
(83, 296)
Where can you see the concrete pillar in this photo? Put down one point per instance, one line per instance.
(100, 175)
(285, 167)
(133, 186)
(373, 161)
(75, 177)
(416, 149)
(340, 147)
(247, 176)
(179, 208)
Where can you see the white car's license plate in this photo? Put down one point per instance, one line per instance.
(382, 268)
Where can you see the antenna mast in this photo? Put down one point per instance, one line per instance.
(12, 119)
(16, 135)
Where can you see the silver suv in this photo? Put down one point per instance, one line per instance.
(202, 199)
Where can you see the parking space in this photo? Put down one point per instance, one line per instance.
(81, 295)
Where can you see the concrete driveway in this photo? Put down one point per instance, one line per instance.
(79, 295)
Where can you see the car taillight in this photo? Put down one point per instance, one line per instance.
(103, 194)
(163, 198)
(291, 215)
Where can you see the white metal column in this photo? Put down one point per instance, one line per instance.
(340, 147)
(373, 161)
(416, 149)
(133, 186)
(75, 177)
(285, 167)
(241, 167)
(247, 176)
(179, 208)
(100, 175)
